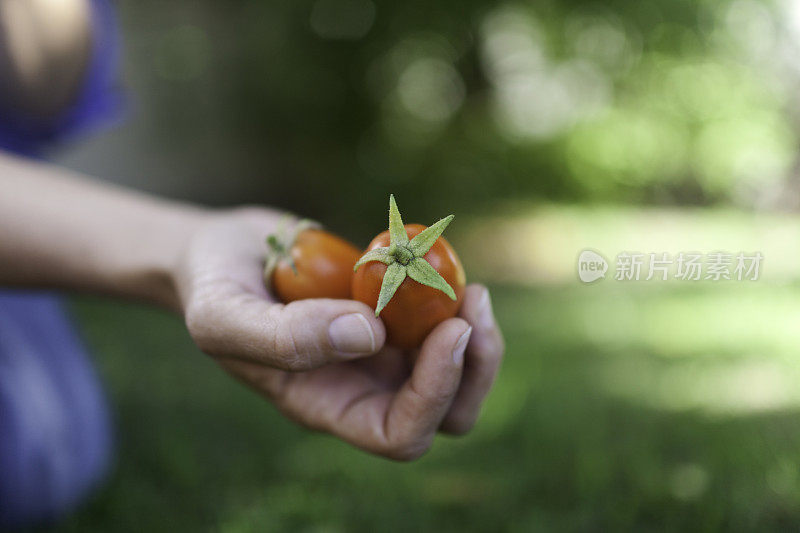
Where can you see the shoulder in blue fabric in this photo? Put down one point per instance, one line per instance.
(56, 95)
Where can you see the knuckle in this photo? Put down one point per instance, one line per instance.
(490, 350)
(440, 398)
(408, 450)
(287, 349)
(294, 364)
(197, 321)
(434, 399)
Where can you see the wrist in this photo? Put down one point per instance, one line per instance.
(67, 231)
(148, 268)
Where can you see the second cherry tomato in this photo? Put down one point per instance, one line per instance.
(314, 264)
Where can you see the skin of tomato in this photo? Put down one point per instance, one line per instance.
(324, 265)
(415, 309)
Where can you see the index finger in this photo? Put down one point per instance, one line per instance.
(422, 402)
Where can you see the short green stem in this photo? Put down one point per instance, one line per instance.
(403, 255)
(279, 245)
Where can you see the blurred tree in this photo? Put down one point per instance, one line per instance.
(325, 106)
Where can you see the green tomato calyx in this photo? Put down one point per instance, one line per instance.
(406, 257)
(279, 245)
(402, 255)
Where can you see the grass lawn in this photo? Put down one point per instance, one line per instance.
(667, 407)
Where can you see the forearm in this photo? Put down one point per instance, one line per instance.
(60, 229)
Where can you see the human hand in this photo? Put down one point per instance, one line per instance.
(310, 357)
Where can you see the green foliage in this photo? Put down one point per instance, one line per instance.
(326, 106)
(617, 409)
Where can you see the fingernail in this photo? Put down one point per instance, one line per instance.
(485, 315)
(352, 334)
(461, 345)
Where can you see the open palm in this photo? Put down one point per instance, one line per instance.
(323, 362)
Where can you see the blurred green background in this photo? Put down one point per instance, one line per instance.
(547, 127)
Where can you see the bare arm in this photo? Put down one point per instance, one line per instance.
(59, 229)
(309, 357)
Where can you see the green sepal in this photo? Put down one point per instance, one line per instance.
(275, 244)
(422, 272)
(395, 275)
(378, 254)
(406, 258)
(397, 231)
(279, 244)
(423, 242)
(270, 262)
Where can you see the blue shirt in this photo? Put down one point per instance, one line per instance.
(98, 100)
(55, 428)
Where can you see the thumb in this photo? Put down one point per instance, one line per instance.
(297, 336)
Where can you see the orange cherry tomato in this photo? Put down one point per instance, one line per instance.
(415, 309)
(323, 267)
